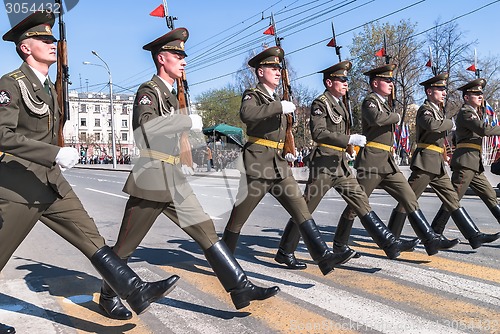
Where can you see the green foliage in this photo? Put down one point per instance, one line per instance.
(220, 106)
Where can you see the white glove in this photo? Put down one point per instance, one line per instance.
(357, 140)
(288, 107)
(197, 122)
(399, 118)
(186, 170)
(67, 157)
(454, 127)
(290, 157)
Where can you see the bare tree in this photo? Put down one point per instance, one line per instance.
(451, 54)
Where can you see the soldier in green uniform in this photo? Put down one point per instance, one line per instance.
(428, 167)
(467, 166)
(157, 184)
(375, 163)
(32, 186)
(328, 168)
(266, 170)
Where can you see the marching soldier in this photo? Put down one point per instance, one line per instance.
(330, 129)
(266, 169)
(428, 167)
(467, 166)
(375, 163)
(32, 185)
(157, 184)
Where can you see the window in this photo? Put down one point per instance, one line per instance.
(124, 136)
(83, 136)
(124, 150)
(83, 107)
(97, 136)
(97, 122)
(124, 123)
(97, 108)
(83, 122)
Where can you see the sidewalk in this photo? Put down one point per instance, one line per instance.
(300, 174)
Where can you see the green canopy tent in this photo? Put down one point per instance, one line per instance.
(232, 133)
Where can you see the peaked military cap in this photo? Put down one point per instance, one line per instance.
(474, 86)
(39, 24)
(172, 41)
(338, 70)
(436, 81)
(271, 56)
(385, 71)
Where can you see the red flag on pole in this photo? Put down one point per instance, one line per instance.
(269, 31)
(332, 43)
(158, 11)
(471, 68)
(429, 63)
(380, 53)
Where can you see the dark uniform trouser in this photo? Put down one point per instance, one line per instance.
(395, 184)
(464, 178)
(419, 180)
(65, 216)
(252, 190)
(347, 186)
(140, 214)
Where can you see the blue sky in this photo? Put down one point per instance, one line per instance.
(117, 30)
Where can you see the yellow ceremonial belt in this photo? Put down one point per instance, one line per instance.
(336, 148)
(266, 142)
(470, 145)
(430, 147)
(169, 159)
(379, 146)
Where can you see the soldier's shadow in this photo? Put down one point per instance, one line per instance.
(186, 260)
(44, 277)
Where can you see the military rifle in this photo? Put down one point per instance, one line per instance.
(62, 78)
(289, 145)
(186, 156)
(345, 98)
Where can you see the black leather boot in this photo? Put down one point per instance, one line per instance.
(111, 304)
(126, 283)
(384, 238)
(341, 237)
(231, 240)
(5, 329)
(469, 229)
(320, 253)
(396, 222)
(496, 212)
(424, 231)
(438, 225)
(233, 278)
(288, 244)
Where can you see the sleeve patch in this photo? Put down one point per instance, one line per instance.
(145, 100)
(371, 105)
(317, 112)
(247, 97)
(428, 113)
(5, 98)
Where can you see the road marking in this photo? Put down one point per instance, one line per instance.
(106, 193)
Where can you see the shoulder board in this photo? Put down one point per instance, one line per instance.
(17, 75)
(151, 83)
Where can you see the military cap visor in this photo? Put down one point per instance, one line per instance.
(337, 71)
(385, 71)
(172, 41)
(474, 86)
(436, 81)
(37, 25)
(269, 57)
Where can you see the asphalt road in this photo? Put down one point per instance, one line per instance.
(49, 287)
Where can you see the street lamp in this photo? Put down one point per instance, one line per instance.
(113, 141)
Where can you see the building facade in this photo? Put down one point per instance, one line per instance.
(89, 128)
